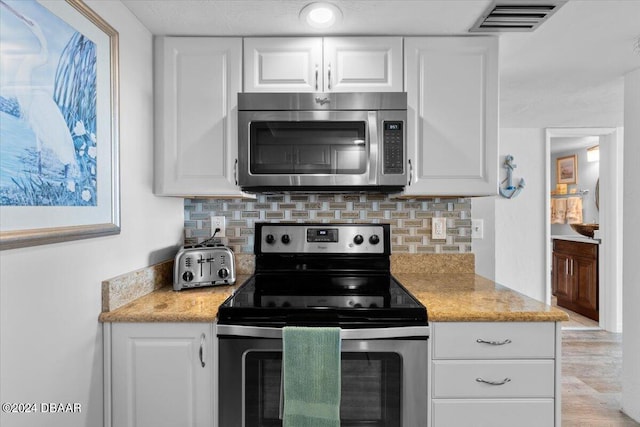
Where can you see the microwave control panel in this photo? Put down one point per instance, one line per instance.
(393, 143)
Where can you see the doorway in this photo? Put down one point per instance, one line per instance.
(606, 178)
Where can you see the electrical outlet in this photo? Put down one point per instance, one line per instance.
(477, 228)
(438, 228)
(218, 222)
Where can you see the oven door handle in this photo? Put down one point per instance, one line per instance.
(345, 334)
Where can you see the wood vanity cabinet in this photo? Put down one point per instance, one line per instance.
(575, 276)
(499, 374)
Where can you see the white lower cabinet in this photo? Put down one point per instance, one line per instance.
(495, 374)
(159, 374)
(493, 413)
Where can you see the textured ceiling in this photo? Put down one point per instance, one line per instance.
(569, 72)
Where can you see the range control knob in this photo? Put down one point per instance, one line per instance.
(285, 239)
(223, 273)
(270, 239)
(358, 239)
(374, 240)
(187, 276)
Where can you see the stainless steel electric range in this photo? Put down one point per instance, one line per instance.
(324, 275)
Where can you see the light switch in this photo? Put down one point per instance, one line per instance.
(477, 228)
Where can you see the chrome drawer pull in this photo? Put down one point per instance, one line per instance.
(481, 341)
(503, 382)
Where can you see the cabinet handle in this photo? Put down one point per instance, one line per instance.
(316, 77)
(329, 76)
(235, 171)
(572, 267)
(410, 172)
(503, 382)
(481, 341)
(201, 352)
(566, 267)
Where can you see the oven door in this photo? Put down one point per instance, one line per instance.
(384, 377)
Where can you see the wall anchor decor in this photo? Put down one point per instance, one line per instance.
(510, 191)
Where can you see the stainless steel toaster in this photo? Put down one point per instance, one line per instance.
(203, 265)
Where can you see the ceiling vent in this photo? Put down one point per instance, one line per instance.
(515, 16)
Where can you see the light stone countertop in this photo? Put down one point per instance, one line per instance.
(473, 298)
(167, 305)
(455, 297)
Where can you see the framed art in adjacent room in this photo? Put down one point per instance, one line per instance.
(59, 172)
(567, 169)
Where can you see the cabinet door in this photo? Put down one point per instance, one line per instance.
(562, 279)
(162, 375)
(357, 64)
(283, 64)
(197, 82)
(452, 93)
(585, 297)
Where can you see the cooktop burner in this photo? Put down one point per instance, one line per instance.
(322, 275)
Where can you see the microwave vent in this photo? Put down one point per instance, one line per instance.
(515, 16)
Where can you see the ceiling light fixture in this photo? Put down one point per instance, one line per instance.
(321, 15)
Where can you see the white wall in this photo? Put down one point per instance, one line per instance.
(50, 299)
(485, 249)
(513, 248)
(631, 267)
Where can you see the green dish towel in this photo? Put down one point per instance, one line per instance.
(311, 368)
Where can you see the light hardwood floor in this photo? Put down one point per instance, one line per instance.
(591, 379)
(575, 320)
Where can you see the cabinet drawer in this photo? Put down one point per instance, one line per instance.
(517, 378)
(494, 340)
(589, 250)
(493, 413)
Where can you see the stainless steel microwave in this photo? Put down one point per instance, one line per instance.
(322, 141)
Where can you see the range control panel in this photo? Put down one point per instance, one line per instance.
(322, 238)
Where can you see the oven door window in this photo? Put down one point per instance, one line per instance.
(308, 147)
(371, 389)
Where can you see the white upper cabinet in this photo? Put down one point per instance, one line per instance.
(452, 132)
(196, 87)
(363, 64)
(331, 64)
(276, 64)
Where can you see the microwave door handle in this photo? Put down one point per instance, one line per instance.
(235, 171)
(374, 153)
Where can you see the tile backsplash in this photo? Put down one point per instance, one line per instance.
(410, 219)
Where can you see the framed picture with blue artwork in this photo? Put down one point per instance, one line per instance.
(59, 175)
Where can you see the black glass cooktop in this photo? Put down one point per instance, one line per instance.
(345, 300)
